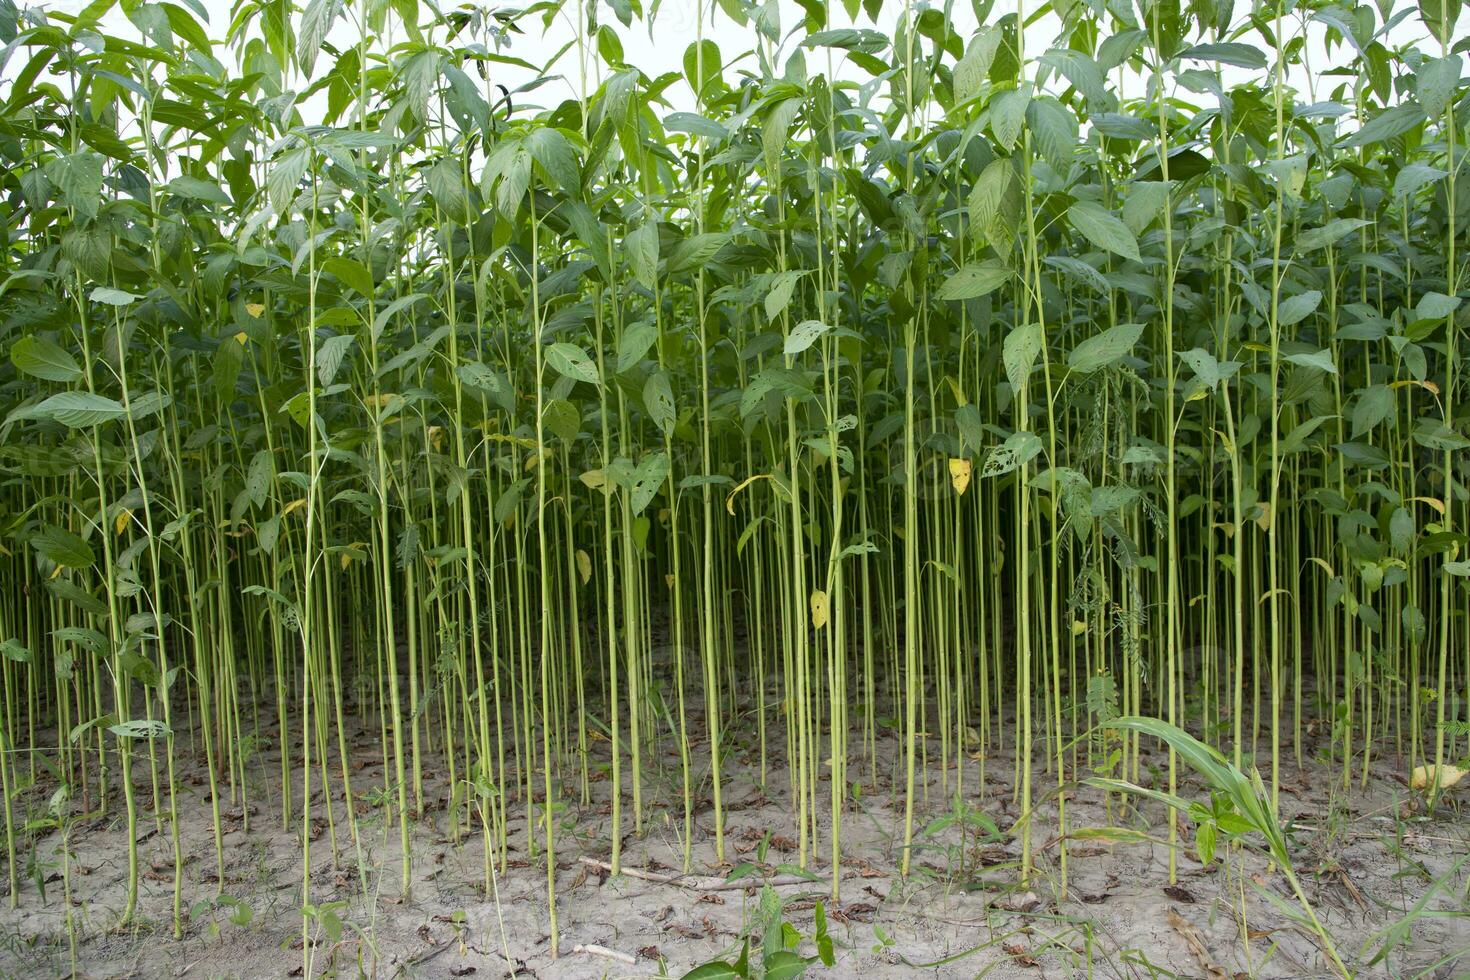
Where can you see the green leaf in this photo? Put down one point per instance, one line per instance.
(1391, 122)
(1007, 115)
(258, 477)
(112, 297)
(549, 148)
(1019, 352)
(484, 378)
(647, 478)
(971, 425)
(562, 418)
(779, 118)
(1413, 176)
(1297, 437)
(1294, 309)
(1436, 306)
(1436, 81)
(1321, 360)
(642, 246)
(1401, 529)
(790, 384)
(571, 361)
(351, 273)
(989, 193)
(198, 190)
(695, 251)
(514, 183)
(1103, 229)
(658, 398)
(1054, 131)
(446, 182)
(1015, 452)
(975, 280)
(635, 342)
(1315, 238)
(779, 296)
(315, 23)
(329, 356)
(714, 970)
(1104, 349)
(1434, 434)
(140, 728)
(40, 358)
(1207, 369)
(74, 409)
(786, 965)
(78, 176)
(702, 63)
(803, 335)
(1146, 202)
(1227, 53)
(1373, 406)
(63, 547)
(149, 403)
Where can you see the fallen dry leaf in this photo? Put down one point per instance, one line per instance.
(1196, 943)
(1020, 954)
(1179, 894)
(1423, 777)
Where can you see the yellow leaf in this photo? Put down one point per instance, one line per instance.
(584, 566)
(959, 475)
(292, 506)
(121, 523)
(1079, 627)
(819, 608)
(1263, 519)
(255, 309)
(730, 499)
(593, 479)
(1434, 502)
(669, 581)
(1428, 386)
(240, 338)
(1423, 777)
(436, 437)
(378, 401)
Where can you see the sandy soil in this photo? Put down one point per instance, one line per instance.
(1366, 857)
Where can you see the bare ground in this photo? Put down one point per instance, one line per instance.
(1366, 857)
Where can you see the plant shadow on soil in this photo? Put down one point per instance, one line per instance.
(1366, 857)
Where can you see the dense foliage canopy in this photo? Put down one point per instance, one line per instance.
(937, 383)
